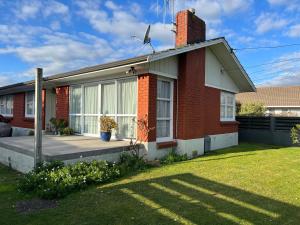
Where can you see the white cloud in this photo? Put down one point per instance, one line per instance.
(294, 31)
(269, 21)
(30, 9)
(4, 79)
(290, 5)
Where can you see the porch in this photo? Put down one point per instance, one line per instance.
(18, 152)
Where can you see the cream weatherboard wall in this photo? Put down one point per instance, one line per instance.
(215, 74)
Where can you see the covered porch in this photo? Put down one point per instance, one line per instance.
(18, 152)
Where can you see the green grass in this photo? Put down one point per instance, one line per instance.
(248, 184)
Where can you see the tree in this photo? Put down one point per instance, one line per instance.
(251, 109)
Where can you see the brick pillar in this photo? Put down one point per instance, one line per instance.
(62, 103)
(191, 95)
(147, 88)
(190, 29)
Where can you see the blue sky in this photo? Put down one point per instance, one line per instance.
(61, 35)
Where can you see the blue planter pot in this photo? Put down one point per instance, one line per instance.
(105, 136)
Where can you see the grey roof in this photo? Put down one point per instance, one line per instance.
(25, 86)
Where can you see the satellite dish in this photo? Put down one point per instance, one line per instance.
(147, 39)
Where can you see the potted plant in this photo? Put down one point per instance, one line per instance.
(106, 126)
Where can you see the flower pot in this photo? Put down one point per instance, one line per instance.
(105, 136)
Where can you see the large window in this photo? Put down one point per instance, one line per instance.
(117, 99)
(29, 104)
(6, 105)
(227, 106)
(164, 112)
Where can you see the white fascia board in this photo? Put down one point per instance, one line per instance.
(283, 106)
(238, 64)
(178, 51)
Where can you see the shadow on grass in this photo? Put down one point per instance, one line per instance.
(188, 199)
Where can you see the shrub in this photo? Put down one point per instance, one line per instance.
(173, 157)
(67, 131)
(295, 134)
(252, 109)
(51, 180)
(55, 180)
(131, 162)
(31, 133)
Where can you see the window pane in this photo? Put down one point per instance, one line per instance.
(75, 100)
(30, 103)
(223, 109)
(230, 100)
(223, 99)
(163, 128)
(91, 99)
(75, 123)
(229, 112)
(9, 105)
(91, 124)
(127, 96)
(126, 127)
(2, 105)
(163, 109)
(163, 89)
(108, 98)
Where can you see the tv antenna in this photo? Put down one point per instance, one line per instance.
(147, 38)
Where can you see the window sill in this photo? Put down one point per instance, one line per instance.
(166, 144)
(224, 123)
(28, 118)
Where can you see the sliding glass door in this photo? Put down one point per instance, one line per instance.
(117, 99)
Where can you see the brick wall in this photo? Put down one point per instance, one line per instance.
(191, 92)
(147, 91)
(213, 125)
(190, 28)
(62, 103)
(19, 119)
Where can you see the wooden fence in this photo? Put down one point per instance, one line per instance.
(269, 130)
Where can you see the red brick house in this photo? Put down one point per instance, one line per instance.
(187, 93)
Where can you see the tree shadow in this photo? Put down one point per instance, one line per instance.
(189, 199)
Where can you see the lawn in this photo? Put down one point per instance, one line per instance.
(247, 184)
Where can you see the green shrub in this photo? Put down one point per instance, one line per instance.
(252, 109)
(131, 162)
(295, 134)
(55, 180)
(173, 157)
(67, 131)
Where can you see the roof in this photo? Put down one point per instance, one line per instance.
(272, 96)
(137, 60)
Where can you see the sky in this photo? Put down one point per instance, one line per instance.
(63, 35)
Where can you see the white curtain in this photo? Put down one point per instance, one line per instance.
(163, 109)
(30, 103)
(127, 96)
(75, 123)
(126, 127)
(163, 89)
(75, 107)
(91, 99)
(2, 105)
(90, 125)
(108, 98)
(9, 105)
(163, 128)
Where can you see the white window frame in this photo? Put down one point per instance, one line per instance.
(5, 100)
(170, 138)
(99, 113)
(226, 94)
(33, 105)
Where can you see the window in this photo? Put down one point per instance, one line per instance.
(6, 105)
(227, 106)
(117, 99)
(29, 104)
(164, 110)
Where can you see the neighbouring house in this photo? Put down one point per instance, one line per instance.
(279, 101)
(187, 93)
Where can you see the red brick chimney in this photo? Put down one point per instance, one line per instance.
(190, 29)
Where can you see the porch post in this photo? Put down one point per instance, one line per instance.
(38, 117)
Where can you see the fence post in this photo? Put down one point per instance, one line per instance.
(272, 123)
